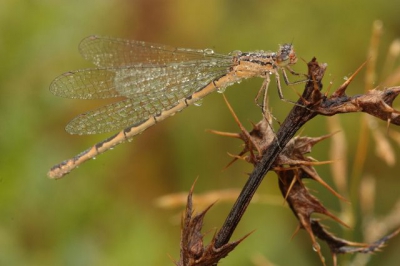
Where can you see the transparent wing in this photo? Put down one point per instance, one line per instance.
(181, 80)
(85, 84)
(122, 56)
(153, 77)
(113, 52)
(150, 91)
(102, 83)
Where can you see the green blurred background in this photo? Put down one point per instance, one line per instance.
(104, 213)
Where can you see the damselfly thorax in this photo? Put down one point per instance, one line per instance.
(261, 64)
(155, 81)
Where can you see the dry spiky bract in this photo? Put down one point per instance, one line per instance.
(193, 252)
(342, 246)
(292, 166)
(286, 155)
(375, 102)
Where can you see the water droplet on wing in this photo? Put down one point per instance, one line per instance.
(199, 102)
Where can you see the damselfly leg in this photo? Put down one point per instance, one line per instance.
(281, 61)
(286, 79)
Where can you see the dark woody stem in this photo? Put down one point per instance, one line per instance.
(298, 116)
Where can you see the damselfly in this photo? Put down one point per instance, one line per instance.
(155, 82)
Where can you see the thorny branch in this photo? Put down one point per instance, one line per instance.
(294, 121)
(285, 155)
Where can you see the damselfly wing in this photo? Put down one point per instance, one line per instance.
(154, 82)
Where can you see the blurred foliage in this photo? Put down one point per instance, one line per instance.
(103, 213)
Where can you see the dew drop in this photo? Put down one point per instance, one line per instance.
(208, 51)
(94, 158)
(345, 77)
(198, 102)
(221, 89)
(316, 247)
(175, 66)
(235, 53)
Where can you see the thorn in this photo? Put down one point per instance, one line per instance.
(388, 125)
(317, 178)
(291, 186)
(329, 214)
(341, 90)
(295, 232)
(225, 134)
(246, 135)
(194, 184)
(234, 115)
(235, 158)
(315, 163)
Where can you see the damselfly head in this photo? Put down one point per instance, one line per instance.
(286, 55)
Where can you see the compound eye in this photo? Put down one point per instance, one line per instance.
(289, 54)
(285, 55)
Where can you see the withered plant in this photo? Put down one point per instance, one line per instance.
(285, 154)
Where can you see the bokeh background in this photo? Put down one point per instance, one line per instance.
(104, 213)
